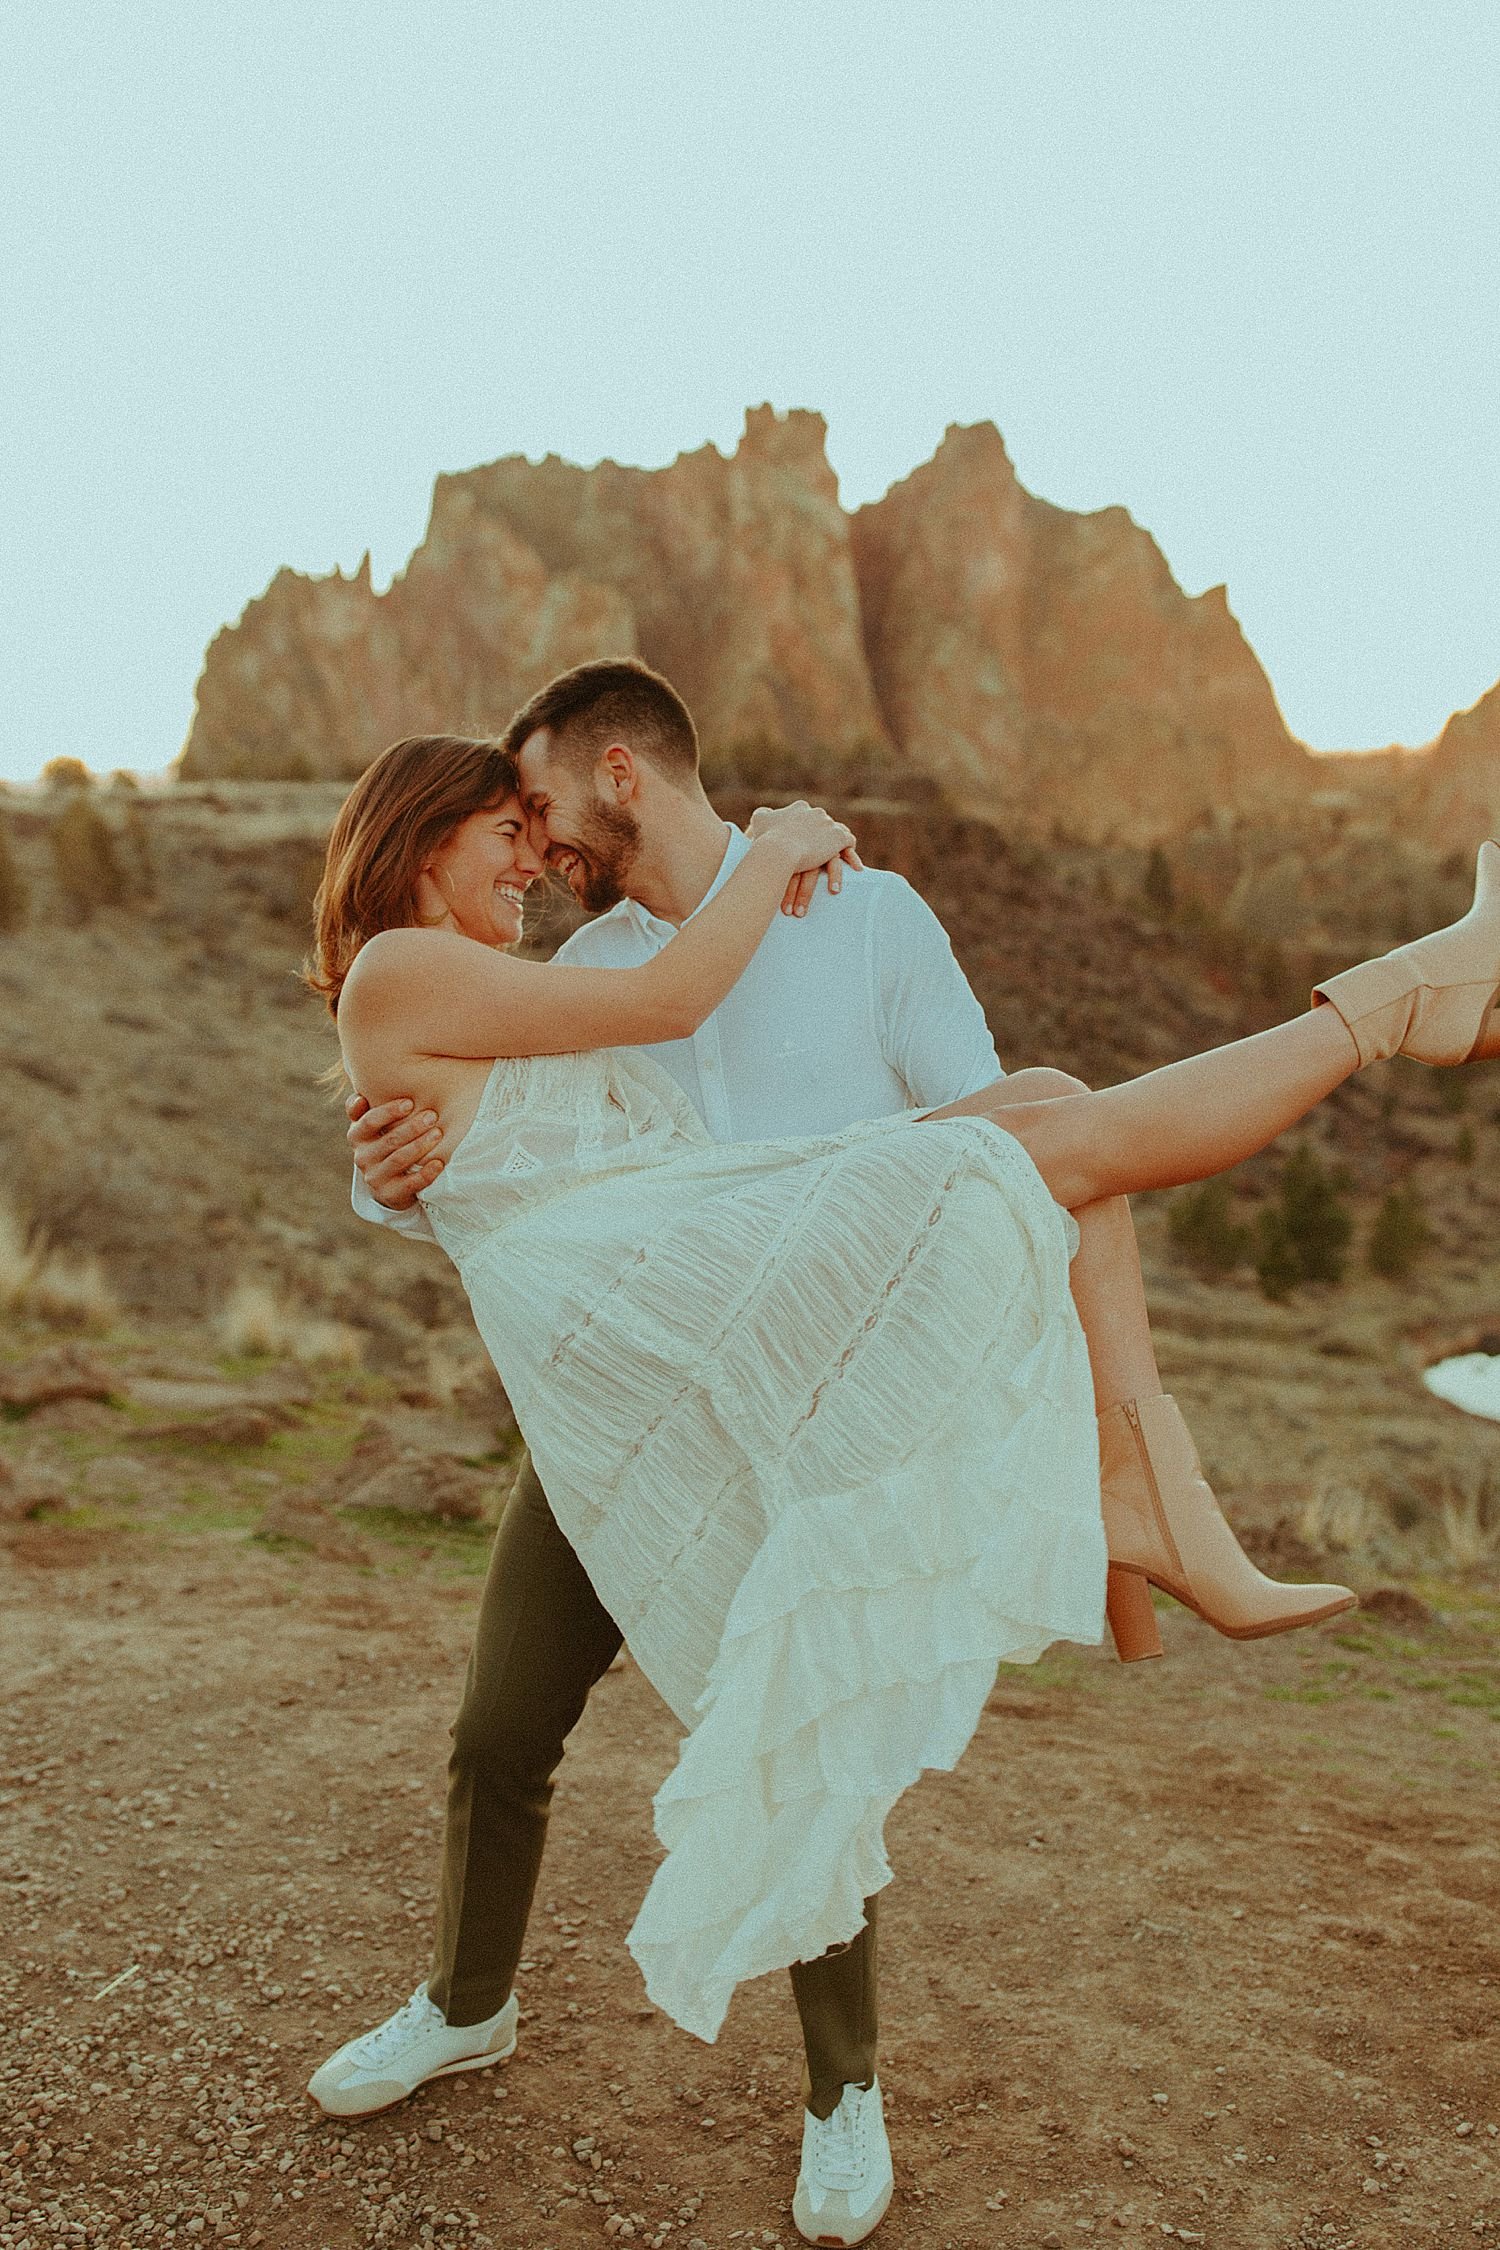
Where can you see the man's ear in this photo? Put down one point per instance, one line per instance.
(622, 770)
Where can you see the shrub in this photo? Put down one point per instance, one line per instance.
(1275, 978)
(20, 1255)
(1277, 1266)
(15, 894)
(72, 1293)
(138, 841)
(1157, 886)
(1463, 1147)
(1305, 1233)
(1399, 1235)
(1319, 1223)
(1471, 1524)
(1338, 1519)
(256, 1323)
(1201, 1224)
(46, 1285)
(84, 857)
(66, 773)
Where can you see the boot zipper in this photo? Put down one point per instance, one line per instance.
(1164, 1529)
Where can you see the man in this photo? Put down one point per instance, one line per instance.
(852, 1008)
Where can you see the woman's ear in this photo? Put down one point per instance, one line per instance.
(431, 871)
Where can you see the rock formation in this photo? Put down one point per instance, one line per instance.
(1042, 667)
(733, 576)
(738, 574)
(1456, 783)
(1047, 667)
(321, 673)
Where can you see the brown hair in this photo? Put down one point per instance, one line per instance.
(617, 699)
(400, 810)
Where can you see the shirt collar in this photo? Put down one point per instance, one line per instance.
(652, 925)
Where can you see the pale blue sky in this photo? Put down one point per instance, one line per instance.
(270, 267)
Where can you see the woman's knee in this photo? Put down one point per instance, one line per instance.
(1040, 1084)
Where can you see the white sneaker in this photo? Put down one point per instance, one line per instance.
(846, 2180)
(383, 2066)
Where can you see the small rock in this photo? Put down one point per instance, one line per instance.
(26, 1492)
(1398, 1605)
(67, 1371)
(418, 1484)
(117, 1476)
(294, 1516)
(232, 1425)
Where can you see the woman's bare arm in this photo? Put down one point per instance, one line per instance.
(434, 992)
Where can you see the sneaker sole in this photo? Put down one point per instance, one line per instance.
(444, 2070)
(847, 2241)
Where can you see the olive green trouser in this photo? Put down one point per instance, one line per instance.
(542, 1640)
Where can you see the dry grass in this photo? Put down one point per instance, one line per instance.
(49, 1285)
(1455, 1528)
(1470, 1521)
(1340, 1519)
(259, 1322)
(20, 1256)
(15, 892)
(72, 1293)
(85, 861)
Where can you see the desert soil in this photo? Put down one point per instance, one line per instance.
(1204, 1949)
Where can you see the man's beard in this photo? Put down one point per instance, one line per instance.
(608, 842)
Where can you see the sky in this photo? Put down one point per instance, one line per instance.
(270, 268)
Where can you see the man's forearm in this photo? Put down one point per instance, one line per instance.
(413, 1221)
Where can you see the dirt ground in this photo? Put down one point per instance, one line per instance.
(1205, 1949)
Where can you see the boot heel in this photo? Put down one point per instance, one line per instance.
(1132, 1620)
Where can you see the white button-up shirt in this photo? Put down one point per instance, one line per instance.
(856, 1009)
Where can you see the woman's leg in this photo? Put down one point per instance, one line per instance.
(1184, 1122)
(1437, 999)
(1161, 1519)
(1105, 1276)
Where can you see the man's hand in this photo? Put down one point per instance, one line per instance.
(800, 889)
(392, 1149)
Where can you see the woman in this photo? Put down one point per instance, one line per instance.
(816, 1414)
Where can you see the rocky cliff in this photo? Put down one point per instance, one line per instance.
(321, 673)
(738, 573)
(1455, 785)
(1047, 664)
(734, 576)
(1042, 667)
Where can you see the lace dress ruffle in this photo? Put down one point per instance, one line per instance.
(817, 1417)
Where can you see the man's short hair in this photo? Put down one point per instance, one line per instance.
(615, 699)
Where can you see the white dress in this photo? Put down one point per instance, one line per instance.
(816, 1416)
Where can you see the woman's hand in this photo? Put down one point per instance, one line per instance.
(820, 845)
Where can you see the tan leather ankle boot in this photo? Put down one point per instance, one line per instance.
(1435, 999)
(1164, 1528)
